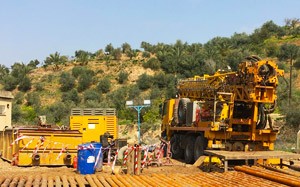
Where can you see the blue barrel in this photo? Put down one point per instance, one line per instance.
(89, 158)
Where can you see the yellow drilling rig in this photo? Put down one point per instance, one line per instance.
(227, 111)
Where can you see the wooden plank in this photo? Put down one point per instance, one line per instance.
(238, 155)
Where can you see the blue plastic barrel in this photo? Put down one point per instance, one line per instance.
(89, 158)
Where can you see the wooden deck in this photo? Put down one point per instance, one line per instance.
(249, 155)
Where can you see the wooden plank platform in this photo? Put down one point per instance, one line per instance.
(249, 155)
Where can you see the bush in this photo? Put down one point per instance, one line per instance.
(133, 92)
(144, 82)
(67, 82)
(10, 83)
(39, 86)
(33, 99)
(104, 85)
(152, 63)
(84, 82)
(122, 77)
(91, 95)
(25, 84)
(146, 54)
(79, 70)
(71, 96)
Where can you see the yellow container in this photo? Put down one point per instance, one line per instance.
(34, 146)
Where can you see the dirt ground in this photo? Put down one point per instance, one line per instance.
(177, 167)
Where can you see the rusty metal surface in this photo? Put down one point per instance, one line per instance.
(240, 155)
(233, 178)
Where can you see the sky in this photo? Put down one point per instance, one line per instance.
(34, 29)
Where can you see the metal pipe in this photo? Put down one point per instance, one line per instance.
(276, 178)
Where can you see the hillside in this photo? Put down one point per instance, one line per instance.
(111, 76)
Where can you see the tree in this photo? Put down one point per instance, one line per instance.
(126, 47)
(109, 48)
(144, 81)
(71, 95)
(33, 99)
(3, 71)
(56, 60)
(33, 63)
(91, 95)
(84, 82)
(289, 52)
(104, 85)
(117, 54)
(83, 57)
(25, 84)
(122, 77)
(67, 82)
(10, 83)
(20, 70)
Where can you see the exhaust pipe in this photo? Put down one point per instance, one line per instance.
(36, 157)
(67, 157)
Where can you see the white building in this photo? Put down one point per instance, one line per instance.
(5, 109)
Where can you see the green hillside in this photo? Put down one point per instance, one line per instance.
(110, 76)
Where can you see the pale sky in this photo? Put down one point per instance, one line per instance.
(33, 29)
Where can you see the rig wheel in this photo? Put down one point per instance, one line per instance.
(182, 108)
(177, 152)
(198, 147)
(189, 150)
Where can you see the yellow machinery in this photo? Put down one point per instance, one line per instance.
(227, 110)
(45, 145)
(93, 122)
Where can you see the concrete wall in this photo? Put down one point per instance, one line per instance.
(5, 109)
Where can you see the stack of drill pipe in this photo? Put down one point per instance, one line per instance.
(64, 181)
(44, 181)
(90, 181)
(14, 182)
(80, 180)
(29, 181)
(6, 182)
(50, 181)
(22, 181)
(72, 181)
(281, 171)
(97, 182)
(57, 182)
(103, 181)
(270, 175)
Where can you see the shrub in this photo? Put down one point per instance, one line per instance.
(10, 83)
(71, 96)
(33, 99)
(91, 95)
(104, 85)
(146, 54)
(122, 77)
(39, 86)
(67, 82)
(84, 82)
(25, 84)
(144, 81)
(152, 63)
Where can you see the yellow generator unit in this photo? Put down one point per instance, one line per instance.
(94, 122)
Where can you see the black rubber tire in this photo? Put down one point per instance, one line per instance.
(189, 150)
(199, 147)
(182, 108)
(177, 152)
